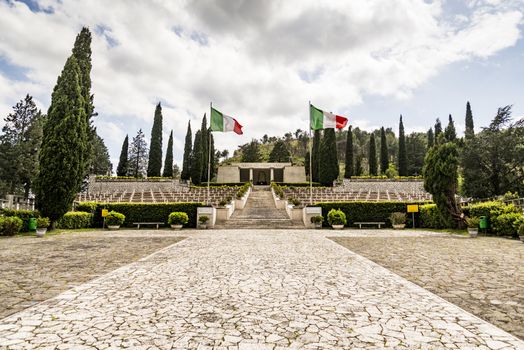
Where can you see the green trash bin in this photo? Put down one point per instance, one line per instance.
(483, 222)
(31, 224)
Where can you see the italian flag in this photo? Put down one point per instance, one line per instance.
(222, 122)
(325, 120)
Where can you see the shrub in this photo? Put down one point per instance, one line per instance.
(296, 184)
(222, 203)
(10, 225)
(506, 224)
(430, 217)
(472, 222)
(397, 218)
(336, 217)
(25, 215)
(317, 219)
(492, 210)
(242, 191)
(114, 218)
(87, 207)
(203, 219)
(42, 222)
(521, 229)
(75, 220)
(177, 218)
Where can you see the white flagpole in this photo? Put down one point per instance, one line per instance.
(310, 158)
(209, 156)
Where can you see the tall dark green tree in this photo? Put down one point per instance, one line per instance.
(196, 160)
(430, 138)
(359, 169)
(416, 151)
(123, 164)
(63, 156)
(450, 133)
(205, 135)
(186, 162)
(402, 156)
(154, 165)
(372, 156)
(251, 153)
(438, 129)
(307, 161)
(384, 154)
(280, 152)
(315, 156)
(100, 161)
(349, 170)
(328, 162)
(138, 156)
(168, 163)
(214, 160)
(470, 128)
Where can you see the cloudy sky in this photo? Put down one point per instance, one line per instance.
(261, 61)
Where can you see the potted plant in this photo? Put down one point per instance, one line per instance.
(473, 226)
(177, 219)
(337, 219)
(398, 220)
(41, 226)
(317, 220)
(521, 232)
(114, 220)
(222, 203)
(203, 221)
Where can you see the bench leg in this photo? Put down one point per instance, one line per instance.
(378, 225)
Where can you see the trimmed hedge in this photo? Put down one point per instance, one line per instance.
(25, 215)
(222, 184)
(297, 184)
(431, 218)
(147, 212)
(87, 207)
(368, 211)
(75, 220)
(10, 226)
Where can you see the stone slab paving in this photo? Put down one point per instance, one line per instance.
(485, 276)
(35, 269)
(257, 289)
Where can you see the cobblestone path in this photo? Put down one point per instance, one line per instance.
(251, 290)
(484, 276)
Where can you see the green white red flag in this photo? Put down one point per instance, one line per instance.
(224, 123)
(320, 119)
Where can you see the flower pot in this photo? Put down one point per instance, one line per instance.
(337, 227)
(176, 227)
(318, 225)
(202, 226)
(521, 239)
(113, 227)
(473, 232)
(40, 232)
(399, 226)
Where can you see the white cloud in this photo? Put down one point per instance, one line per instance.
(249, 58)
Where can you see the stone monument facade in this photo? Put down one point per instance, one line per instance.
(261, 173)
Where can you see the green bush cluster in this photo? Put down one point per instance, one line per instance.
(114, 218)
(506, 224)
(178, 218)
(131, 178)
(431, 218)
(367, 210)
(147, 212)
(503, 219)
(336, 217)
(25, 215)
(10, 225)
(75, 220)
(242, 190)
(278, 190)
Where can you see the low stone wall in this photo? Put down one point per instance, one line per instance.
(109, 185)
(382, 185)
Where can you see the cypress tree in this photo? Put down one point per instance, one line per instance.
(138, 156)
(196, 160)
(431, 138)
(450, 133)
(121, 170)
(213, 158)
(384, 158)
(358, 166)
(306, 163)
(348, 171)
(328, 163)
(204, 134)
(372, 158)
(438, 129)
(186, 162)
(470, 129)
(402, 156)
(168, 163)
(100, 162)
(154, 164)
(251, 152)
(315, 155)
(63, 156)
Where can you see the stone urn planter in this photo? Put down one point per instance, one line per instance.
(473, 226)
(398, 220)
(114, 220)
(113, 227)
(337, 227)
(177, 219)
(177, 227)
(317, 221)
(337, 219)
(203, 222)
(473, 232)
(40, 232)
(399, 226)
(41, 226)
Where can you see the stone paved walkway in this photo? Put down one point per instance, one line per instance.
(251, 290)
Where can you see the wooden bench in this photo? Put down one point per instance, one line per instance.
(369, 223)
(148, 223)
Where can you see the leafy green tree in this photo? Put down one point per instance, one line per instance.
(384, 154)
(251, 153)
(100, 161)
(279, 153)
(450, 133)
(416, 151)
(402, 156)
(438, 129)
(328, 163)
(430, 138)
(470, 128)
(196, 160)
(123, 163)
(154, 164)
(441, 180)
(349, 170)
(168, 163)
(186, 162)
(138, 156)
(19, 146)
(63, 155)
(315, 156)
(372, 158)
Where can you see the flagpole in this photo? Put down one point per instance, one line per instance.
(310, 158)
(209, 155)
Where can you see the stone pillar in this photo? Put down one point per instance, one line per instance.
(271, 175)
(251, 174)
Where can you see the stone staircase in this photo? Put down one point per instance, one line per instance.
(259, 213)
